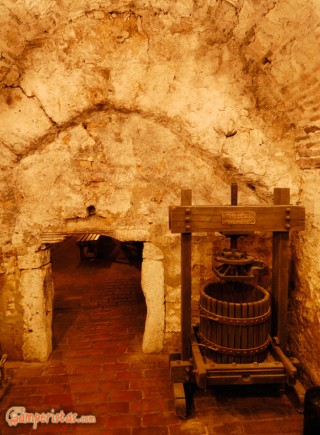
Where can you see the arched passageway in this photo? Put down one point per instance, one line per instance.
(109, 277)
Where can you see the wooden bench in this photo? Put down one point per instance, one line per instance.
(89, 246)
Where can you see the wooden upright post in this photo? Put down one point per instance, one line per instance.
(186, 199)
(280, 273)
(234, 201)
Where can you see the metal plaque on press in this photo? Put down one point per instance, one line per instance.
(238, 218)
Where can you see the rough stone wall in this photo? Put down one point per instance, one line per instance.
(119, 105)
(289, 70)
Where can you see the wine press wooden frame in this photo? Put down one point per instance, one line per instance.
(189, 366)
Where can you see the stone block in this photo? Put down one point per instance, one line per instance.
(152, 252)
(34, 260)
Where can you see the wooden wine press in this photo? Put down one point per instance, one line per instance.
(256, 329)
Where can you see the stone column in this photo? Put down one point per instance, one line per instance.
(36, 290)
(10, 306)
(152, 282)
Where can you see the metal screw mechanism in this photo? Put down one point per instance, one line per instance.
(233, 254)
(236, 265)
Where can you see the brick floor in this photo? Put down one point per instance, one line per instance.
(97, 367)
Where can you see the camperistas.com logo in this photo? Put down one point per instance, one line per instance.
(19, 415)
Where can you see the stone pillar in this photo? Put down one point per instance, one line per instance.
(11, 325)
(152, 282)
(36, 290)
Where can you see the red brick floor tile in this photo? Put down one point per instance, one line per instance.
(115, 384)
(57, 399)
(88, 387)
(52, 389)
(262, 427)
(159, 373)
(129, 395)
(56, 379)
(157, 419)
(187, 428)
(110, 408)
(130, 374)
(150, 431)
(35, 380)
(147, 405)
(82, 398)
(25, 372)
(230, 429)
(143, 365)
(116, 431)
(291, 425)
(115, 367)
(57, 370)
(120, 420)
(24, 390)
(83, 409)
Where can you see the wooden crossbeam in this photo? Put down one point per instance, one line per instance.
(277, 218)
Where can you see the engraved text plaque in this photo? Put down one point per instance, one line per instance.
(238, 218)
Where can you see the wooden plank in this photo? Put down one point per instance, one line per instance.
(186, 199)
(174, 356)
(274, 377)
(296, 394)
(231, 329)
(238, 330)
(262, 308)
(290, 368)
(178, 391)
(269, 372)
(180, 370)
(256, 328)
(244, 332)
(237, 218)
(219, 330)
(225, 330)
(280, 274)
(53, 237)
(234, 194)
(200, 370)
(214, 325)
(210, 324)
(206, 302)
(180, 400)
(250, 328)
(273, 364)
(234, 201)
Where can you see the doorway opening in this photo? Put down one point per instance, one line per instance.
(95, 273)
